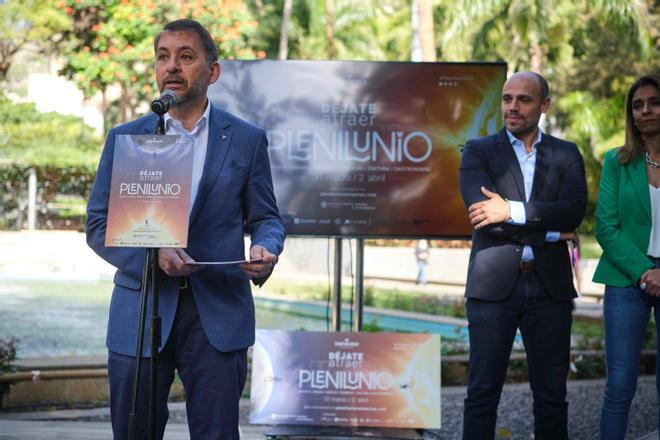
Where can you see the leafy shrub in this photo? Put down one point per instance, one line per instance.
(7, 358)
(62, 150)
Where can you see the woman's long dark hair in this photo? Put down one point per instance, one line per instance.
(634, 147)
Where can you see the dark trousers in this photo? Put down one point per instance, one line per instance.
(545, 326)
(213, 381)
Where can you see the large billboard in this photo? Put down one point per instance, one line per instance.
(386, 380)
(366, 149)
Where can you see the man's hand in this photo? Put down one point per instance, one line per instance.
(493, 210)
(264, 267)
(650, 282)
(174, 262)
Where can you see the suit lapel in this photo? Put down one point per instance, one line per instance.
(543, 159)
(637, 172)
(216, 151)
(509, 157)
(150, 124)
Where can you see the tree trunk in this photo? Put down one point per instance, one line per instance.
(104, 112)
(260, 7)
(123, 104)
(284, 33)
(8, 49)
(426, 33)
(329, 28)
(536, 63)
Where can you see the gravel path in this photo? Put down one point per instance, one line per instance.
(515, 420)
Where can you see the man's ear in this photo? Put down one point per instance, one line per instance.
(215, 72)
(545, 105)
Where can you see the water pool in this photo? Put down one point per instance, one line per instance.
(55, 318)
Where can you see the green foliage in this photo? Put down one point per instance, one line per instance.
(28, 137)
(37, 22)
(111, 44)
(7, 358)
(62, 151)
(372, 326)
(377, 297)
(589, 247)
(650, 336)
(588, 334)
(61, 195)
(415, 302)
(367, 30)
(588, 366)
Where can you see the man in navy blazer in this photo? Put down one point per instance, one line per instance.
(208, 318)
(526, 193)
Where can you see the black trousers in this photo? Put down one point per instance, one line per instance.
(213, 381)
(545, 326)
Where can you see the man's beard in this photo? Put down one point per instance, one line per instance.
(187, 97)
(197, 89)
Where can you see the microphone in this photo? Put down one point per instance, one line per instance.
(166, 101)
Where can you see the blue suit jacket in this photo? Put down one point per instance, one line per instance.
(235, 197)
(557, 203)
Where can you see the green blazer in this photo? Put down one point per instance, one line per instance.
(623, 222)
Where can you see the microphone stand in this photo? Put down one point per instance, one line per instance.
(150, 277)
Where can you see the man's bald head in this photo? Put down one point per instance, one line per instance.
(544, 89)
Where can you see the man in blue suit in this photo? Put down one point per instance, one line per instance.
(526, 193)
(207, 312)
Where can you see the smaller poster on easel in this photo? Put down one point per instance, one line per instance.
(150, 191)
(376, 380)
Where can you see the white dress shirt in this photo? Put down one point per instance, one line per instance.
(200, 138)
(527, 162)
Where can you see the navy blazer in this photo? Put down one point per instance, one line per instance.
(557, 203)
(235, 197)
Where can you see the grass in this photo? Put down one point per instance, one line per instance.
(589, 247)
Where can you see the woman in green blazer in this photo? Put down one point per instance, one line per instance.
(628, 230)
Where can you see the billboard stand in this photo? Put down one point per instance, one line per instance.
(296, 431)
(359, 286)
(336, 290)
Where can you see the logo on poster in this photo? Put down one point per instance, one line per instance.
(345, 359)
(150, 175)
(149, 189)
(347, 343)
(345, 380)
(353, 138)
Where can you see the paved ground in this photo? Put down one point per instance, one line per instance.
(515, 419)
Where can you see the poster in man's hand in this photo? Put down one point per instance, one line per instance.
(150, 191)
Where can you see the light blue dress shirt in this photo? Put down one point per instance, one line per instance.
(200, 137)
(527, 162)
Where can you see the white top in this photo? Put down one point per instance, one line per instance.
(654, 239)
